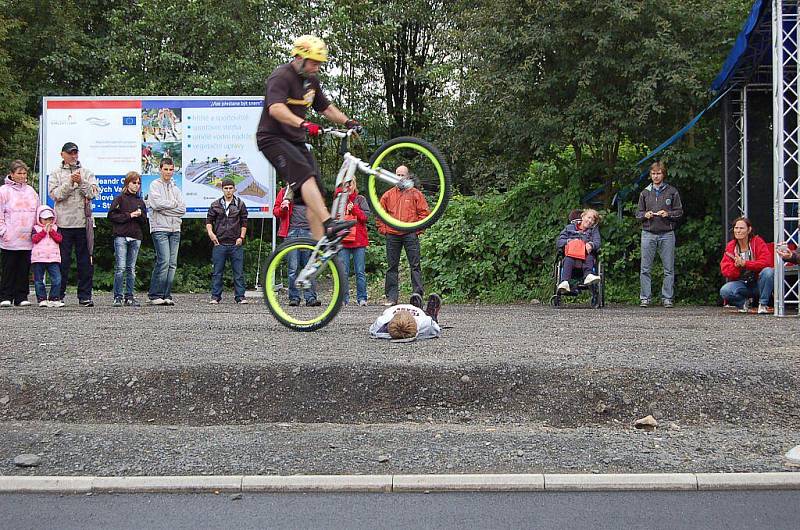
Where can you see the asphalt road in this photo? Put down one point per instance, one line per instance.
(630, 510)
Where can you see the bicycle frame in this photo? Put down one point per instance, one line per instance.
(325, 248)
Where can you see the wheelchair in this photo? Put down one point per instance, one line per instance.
(597, 291)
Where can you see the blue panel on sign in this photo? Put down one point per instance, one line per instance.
(129, 120)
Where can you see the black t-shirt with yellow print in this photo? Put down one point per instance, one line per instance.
(284, 85)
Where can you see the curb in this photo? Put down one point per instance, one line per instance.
(404, 483)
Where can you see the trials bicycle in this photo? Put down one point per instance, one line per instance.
(309, 266)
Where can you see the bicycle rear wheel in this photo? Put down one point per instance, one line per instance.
(291, 306)
(428, 169)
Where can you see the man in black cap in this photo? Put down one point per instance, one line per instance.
(226, 224)
(73, 187)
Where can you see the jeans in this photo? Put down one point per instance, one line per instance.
(664, 244)
(166, 246)
(53, 271)
(359, 254)
(297, 260)
(125, 254)
(219, 255)
(394, 244)
(76, 237)
(570, 264)
(737, 292)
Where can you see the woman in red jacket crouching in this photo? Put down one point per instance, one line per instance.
(355, 244)
(748, 265)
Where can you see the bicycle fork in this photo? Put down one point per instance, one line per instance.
(323, 252)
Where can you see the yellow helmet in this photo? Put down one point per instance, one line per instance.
(310, 47)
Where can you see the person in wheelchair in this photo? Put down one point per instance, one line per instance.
(580, 241)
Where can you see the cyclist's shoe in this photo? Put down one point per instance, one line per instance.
(433, 307)
(416, 300)
(294, 302)
(313, 303)
(337, 229)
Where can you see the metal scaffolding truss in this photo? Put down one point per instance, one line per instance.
(786, 136)
(734, 119)
(779, 34)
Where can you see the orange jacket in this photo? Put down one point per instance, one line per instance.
(405, 205)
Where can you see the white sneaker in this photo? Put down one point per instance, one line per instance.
(243, 301)
(157, 301)
(169, 301)
(762, 309)
(24, 303)
(744, 309)
(44, 303)
(563, 287)
(55, 303)
(362, 302)
(591, 279)
(6, 303)
(213, 301)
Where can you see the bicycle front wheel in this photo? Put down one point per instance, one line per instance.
(302, 309)
(427, 168)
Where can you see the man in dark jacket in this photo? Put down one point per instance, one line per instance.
(659, 210)
(226, 224)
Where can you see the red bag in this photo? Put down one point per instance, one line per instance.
(351, 235)
(575, 248)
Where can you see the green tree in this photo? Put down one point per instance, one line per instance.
(15, 125)
(396, 49)
(545, 74)
(203, 47)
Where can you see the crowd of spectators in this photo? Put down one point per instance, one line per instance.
(38, 238)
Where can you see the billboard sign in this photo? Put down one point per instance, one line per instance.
(208, 138)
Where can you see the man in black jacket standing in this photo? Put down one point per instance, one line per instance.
(226, 224)
(660, 208)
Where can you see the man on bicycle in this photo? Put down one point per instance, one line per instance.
(291, 89)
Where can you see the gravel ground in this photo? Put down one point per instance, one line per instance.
(521, 388)
(285, 449)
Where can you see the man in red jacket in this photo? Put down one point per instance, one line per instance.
(407, 205)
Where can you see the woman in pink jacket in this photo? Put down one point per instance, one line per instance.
(18, 203)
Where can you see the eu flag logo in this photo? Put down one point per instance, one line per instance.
(129, 120)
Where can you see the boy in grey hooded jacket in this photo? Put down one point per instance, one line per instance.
(165, 206)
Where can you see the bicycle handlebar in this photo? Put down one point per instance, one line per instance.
(339, 133)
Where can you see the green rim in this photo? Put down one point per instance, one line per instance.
(272, 299)
(376, 201)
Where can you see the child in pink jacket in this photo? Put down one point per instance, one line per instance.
(46, 257)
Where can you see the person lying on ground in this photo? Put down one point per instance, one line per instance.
(408, 322)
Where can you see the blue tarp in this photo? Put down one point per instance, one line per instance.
(740, 46)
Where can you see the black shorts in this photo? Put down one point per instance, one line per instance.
(293, 162)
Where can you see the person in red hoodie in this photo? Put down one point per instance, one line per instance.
(356, 247)
(748, 265)
(294, 224)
